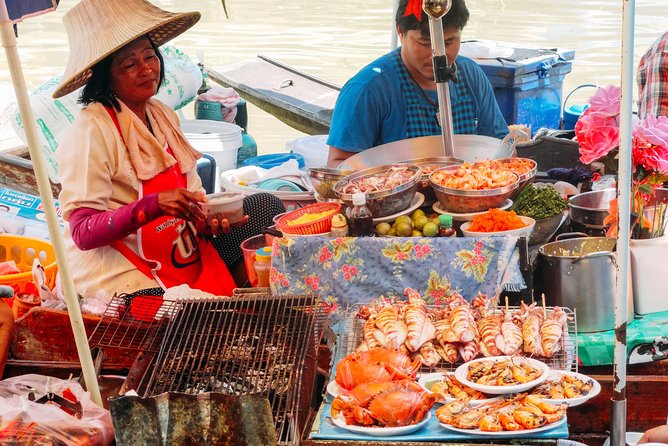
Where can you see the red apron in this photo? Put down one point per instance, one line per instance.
(170, 250)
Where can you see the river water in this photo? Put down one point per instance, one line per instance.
(334, 39)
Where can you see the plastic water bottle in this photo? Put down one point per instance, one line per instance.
(361, 220)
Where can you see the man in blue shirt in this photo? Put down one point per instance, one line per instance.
(394, 97)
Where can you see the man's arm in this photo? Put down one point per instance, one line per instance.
(337, 156)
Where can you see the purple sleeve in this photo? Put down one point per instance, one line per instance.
(91, 228)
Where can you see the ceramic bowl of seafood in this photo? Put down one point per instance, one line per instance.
(446, 385)
(323, 180)
(524, 231)
(428, 165)
(472, 187)
(567, 387)
(389, 189)
(498, 375)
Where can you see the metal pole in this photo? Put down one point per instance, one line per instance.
(73, 309)
(618, 410)
(443, 70)
(394, 39)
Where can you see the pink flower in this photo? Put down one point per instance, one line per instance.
(325, 255)
(653, 129)
(606, 101)
(596, 135)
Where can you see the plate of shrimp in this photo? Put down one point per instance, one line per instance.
(447, 385)
(567, 387)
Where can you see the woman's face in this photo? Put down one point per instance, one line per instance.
(417, 56)
(135, 72)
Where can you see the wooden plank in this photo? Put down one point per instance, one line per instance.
(298, 99)
(17, 173)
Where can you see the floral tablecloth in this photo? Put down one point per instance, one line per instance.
(352, 270)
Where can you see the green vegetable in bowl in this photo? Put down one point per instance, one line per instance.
(539, 202)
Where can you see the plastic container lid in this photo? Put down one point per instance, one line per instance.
(359, 199)
(263, 254)
(445, 220)
(273, 159)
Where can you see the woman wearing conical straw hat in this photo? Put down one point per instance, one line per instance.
(130, 191)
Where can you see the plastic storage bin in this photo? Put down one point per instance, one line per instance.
(313, 148)
(528, 85)
(23, 250)
(219, 139)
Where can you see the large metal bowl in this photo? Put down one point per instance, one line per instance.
(524, 177)
(385, 202)
(464, 201)
(546, 228)
(323, 180)
(428, 165)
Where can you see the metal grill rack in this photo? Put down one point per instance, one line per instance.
(350, 336)
(251, 343)
(133, 324)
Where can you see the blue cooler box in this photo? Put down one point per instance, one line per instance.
(528, 85)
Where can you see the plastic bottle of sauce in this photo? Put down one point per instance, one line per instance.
(262, 266)
(339, 226)
(445, 228)
(361, 220)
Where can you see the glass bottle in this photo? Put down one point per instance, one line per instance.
(361, 220)
(339, 226)
(263, 265)
(445, 228)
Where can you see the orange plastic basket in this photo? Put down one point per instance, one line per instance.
(319, 226)
(23, 250)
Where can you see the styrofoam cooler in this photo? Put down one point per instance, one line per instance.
(221, 140)
(313, 148)
(648, 267)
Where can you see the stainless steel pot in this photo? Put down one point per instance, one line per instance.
(589, 209)
(581, 274)
(470, 148)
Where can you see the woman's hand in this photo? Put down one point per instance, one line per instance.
(182, 203)
(219, 225)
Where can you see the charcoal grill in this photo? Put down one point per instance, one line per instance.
(251, 343)
(134, 326)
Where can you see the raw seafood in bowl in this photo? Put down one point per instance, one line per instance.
(389, 189)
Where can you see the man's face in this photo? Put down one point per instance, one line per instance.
(417, 56)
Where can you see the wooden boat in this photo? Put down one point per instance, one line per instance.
(302, 101)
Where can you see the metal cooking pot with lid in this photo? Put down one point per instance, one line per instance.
(589, 209)
(581, 273)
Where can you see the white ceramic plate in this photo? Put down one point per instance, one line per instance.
(522, 433)
(381, 431)
(556, 375)
(427, 380)
(418, 199)
(462, 371)
(467, 217)
(334, 389)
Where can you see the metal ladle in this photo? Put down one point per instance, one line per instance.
(443, 71)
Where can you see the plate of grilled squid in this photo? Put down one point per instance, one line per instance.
(447, 385)
(571, 388)
(499, 375)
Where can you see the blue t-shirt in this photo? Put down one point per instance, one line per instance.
(371, 109)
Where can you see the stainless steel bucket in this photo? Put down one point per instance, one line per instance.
(581, 274)
(589, 209)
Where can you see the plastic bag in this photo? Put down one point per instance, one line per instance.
(53, 116)
(25, 422)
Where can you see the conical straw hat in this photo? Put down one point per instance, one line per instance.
(97, 28)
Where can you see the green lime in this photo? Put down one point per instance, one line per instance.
(430, 229)
(383, 228)
(404, 219)
(416, 213)
(392, 232)
(420, 221)
(404, 230)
